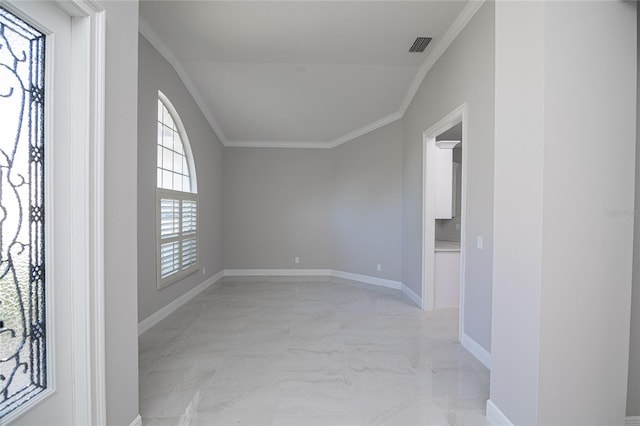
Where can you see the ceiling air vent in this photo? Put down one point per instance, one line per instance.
(420, 44)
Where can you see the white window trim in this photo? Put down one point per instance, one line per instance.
(186, 145)
(177, 195)
(182, 273)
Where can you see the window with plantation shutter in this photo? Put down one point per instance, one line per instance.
(177, 199)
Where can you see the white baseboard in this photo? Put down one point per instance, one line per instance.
(137, 421)
(495, 416)
(476, 350)
(632, 421)
(312, 273)
(367, 279)
(412, 295)
(277, 272)
(158, 316)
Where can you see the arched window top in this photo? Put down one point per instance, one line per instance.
(176, 169)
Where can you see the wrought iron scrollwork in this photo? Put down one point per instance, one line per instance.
(23, 349)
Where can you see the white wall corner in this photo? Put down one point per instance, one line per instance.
(158, 316)
(137, 421)
(412, 295)
(632, 421)
(476, 350)
(495, 416)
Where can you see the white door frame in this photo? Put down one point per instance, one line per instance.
(88, 99)
(88, 31)
(428, 207)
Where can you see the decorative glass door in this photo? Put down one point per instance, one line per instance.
(23, 327)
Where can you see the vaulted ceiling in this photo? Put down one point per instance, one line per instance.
(300, 73)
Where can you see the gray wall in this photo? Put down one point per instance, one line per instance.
(155, 73)
(464, 73)
(276, 206)
(562, 260)
(121, 268)
(633, 393)
(366, 212)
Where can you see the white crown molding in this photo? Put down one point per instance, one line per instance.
(147, 32)
(432, 57)
(438, 49)
(446, 144)
(366, 129)
(272, 144)
(495, 416)
(79, 8)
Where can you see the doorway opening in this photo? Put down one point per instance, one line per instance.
(444, 214)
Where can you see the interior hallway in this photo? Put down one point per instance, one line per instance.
(310, 351)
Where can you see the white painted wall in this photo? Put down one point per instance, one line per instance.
(565, 84)
(517, 254)
(464, 73)
(121, 267)
(366, 215)
(276, 206)
(633, 383)
(155, 73)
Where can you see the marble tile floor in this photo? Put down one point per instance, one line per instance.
(308, 352)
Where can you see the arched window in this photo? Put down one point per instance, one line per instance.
(177, 199)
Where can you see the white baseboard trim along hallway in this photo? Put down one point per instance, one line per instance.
(277, 272)
(476, 350)
(632, 421)
(495, 416)
(367, 279)
(411, 295)
(158, 316)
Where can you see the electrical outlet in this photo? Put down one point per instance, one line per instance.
(379, 267)
(297, 259)
(457, 226)
(480, 243)
(204, 271)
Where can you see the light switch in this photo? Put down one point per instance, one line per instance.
(480, 243)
